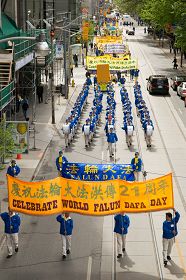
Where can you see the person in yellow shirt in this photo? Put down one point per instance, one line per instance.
(60, 160)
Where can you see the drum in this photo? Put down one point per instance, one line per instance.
(66, 128)
(130, 130)
(87, 129)
(149, 130)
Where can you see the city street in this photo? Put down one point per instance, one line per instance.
(94, 254)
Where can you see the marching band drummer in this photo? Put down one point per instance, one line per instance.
(129, 129)
(66, 131)
(86, 131)
(148, 130)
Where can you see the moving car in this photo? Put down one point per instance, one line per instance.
(158, 84)
(177, 80)
(131, 32)
(181, 90)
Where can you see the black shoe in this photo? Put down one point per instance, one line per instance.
(123, 249)
(9, 256)
(64, 257)
(68, 252)
(165, 263)
(119, 256)
(168, 258)
(16, 249)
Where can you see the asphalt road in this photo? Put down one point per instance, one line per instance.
(40, 245)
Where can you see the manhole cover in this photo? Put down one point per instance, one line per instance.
(5, 199)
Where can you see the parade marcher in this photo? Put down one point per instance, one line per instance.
(86, 131)
(122, 80)
(13, 170)
(122, 223)
(95, 80)
(88, 81)
(129, 129)
(148, 129)
(87, 74)
(111, 139)
(118, 75)
(12, 223)
(66, 228)
(66, 130)
(137, 165)
(169, 233)
(60, 160)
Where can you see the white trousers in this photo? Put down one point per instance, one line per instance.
(148, 139)
(121, 241)
(111, 148)
(128, 139)
(66, 139)
(86, 140)
(11, 242)
(136, 175)
(66, 243)
(167, 247)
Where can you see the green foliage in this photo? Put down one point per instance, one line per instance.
(6, 140)
(159, 14)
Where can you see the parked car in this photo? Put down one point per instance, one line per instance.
(131, 32)
(181, 90)
(158, 84)
(176, 81)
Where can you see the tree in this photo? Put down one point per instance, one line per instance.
(7, 144)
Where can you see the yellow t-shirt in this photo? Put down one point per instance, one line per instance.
(60, 161)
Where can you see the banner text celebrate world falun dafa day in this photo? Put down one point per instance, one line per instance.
(90, 198)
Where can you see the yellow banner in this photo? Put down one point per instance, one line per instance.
(85, 30)
(109, 39)
(90, 198)
(121, 63)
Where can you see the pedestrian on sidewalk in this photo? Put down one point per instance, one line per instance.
(122, 223)
(169, 233)
(25, 106)
(185, 101)
(137, 166)
(71, 70)
(13, 169)
(66, 228)
(60, 160)
(40, 93)
(111, 139)
(12, 223)
(75, 57)
(175, 64)
(145, 30)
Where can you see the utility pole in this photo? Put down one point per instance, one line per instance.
(52, 75)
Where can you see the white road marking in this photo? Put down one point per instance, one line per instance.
(89, 269)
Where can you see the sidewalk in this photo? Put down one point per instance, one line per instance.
(171, 55)
(30, 163)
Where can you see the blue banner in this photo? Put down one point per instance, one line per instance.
(97, 172)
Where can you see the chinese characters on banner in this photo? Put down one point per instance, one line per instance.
(90, 198)
(109, 39)
(114, 63)
(97, 172)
